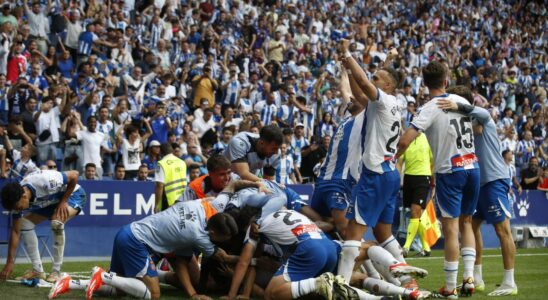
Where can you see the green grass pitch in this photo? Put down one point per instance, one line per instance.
(531, 277)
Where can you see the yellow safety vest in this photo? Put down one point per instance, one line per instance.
(175, 179)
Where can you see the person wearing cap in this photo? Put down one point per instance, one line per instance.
(170, 179)
(298, 142)
(152, 156)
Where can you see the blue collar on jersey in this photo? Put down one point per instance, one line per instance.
(440, 96)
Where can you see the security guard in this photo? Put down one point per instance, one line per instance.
(170, 178)
(416, 183)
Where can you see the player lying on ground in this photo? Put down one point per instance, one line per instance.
(493, 204)
(183, 229)
(41, 195)
(313, 255)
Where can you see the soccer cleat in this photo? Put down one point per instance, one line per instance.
(342, 291)
(467, 287)
(95, 283)
(417, 295)
(53, 276)
(32, 274)
(504, 290)
(445, 294)
(423, 253)
(402, 269)
(61, 286)
(324, 285)
(410, 284)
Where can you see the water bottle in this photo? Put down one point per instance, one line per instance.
(30, 282)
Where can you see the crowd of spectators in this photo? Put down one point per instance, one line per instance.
(97, 86)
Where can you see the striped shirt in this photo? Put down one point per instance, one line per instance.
(345, 150)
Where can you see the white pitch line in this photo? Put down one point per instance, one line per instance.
(489, 255)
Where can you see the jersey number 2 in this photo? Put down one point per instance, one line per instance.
(286, 219)
(396, 129)
(464, 132)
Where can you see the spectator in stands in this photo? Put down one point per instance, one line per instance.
(225, 139)
(543, 180)
(201, 125)
(131, 147)
(193, 172)
(152, 157)
(90, 172)
(47, 121)
(195, 158)
(204, 86)
(49, 165)
(106, 127)
(311, 156)
(530, 176)
(119, 172)
(142, 174)
(160, 124)
(92, 142)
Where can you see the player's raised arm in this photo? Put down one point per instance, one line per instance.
(357, 73)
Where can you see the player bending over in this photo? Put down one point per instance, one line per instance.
(41, 195)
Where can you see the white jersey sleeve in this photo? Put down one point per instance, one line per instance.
(47, 186)
(449, 134)
(382, 133)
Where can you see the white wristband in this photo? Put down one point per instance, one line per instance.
(347, 54)
(253, 262)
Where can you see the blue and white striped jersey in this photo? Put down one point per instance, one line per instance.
(345, 150)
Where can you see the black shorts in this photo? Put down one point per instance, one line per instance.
(415, 190)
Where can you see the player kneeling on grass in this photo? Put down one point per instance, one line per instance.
(308, 268)
(183, 229)
(41, 195)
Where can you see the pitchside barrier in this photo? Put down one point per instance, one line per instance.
(112, 204)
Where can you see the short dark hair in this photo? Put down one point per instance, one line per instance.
(11, 194)
(223, 224)
(218, 161)
(462, 91)
(166, 149)
(193, 167)
(394, 75)
(434, 75)
(272, 133)
(504, 152)
(90, 165)
(118, 166)
(269, 171)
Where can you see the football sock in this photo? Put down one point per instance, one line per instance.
(468, 259)
(478, 274)
(422, 237)
(382, 260)
(451, 269)
(350, 250)
(370, 269)
(391, 245)
(131, 286)
(382, 287)
(28, 235)
(412, 229)
(508, 278)
(162, 275)
(303, 287)
(58, 229)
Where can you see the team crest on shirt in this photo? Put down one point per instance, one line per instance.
(394, 110)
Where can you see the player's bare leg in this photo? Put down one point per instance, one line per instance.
(468, 253)
(478, 272)
(508, 286)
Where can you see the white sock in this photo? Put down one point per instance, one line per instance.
(58, 229)
(363, 295)
(382, 259)
(131, 286)
(508, 278)
(31, 244)
(468, 259)
(78, 284)
(370, 269)
(82, 284)
(451, 269)
(382, 287)
(303, 287)
(478, 274)
(350, 250)
(391, 245)
(162, 275)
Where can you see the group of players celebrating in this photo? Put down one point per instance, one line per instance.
(252, 237)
